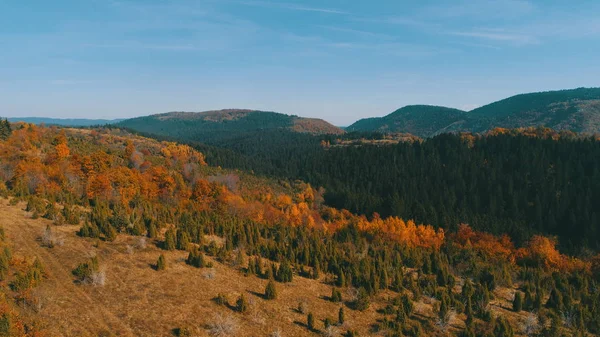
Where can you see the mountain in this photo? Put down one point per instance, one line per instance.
(214, 126)
(420, 120)
(575, 110)
(63, 121)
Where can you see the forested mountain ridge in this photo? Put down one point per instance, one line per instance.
(419, 120)
(574, 110)
(216, 126)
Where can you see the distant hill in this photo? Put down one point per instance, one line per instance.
(220, 125)
(576, 110)
(420, 120)
(63, 122)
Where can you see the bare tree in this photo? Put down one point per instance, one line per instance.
(530, 325)
(222, 326)
(141, 243)
(331, 331)
(303, 306)
(97, 278)
(276, 333)
(50, 239)
(209, 274)
(443, 323)
(352, 294)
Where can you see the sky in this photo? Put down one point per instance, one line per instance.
(340, 60)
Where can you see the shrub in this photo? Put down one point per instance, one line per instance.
(90, 272)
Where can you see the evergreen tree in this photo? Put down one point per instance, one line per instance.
(161, 264)
(517, 302)
(336, 295)
(170, 242)
(270, 290)
(341, 316)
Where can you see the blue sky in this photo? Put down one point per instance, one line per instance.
(334, 59)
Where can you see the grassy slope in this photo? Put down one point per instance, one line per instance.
(139, 301)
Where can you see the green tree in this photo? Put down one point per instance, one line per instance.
(270, 290)
(517, 302)
(161, 264)
(341, 316)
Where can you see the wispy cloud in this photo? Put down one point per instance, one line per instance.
(498, 35)
(358, 32)
(480, 9)
(292, 7)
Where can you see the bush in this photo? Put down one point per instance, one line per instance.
(90, 272)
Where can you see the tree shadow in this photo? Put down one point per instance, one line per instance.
(257, 294)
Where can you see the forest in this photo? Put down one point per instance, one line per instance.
(111, 184)
(519, 182)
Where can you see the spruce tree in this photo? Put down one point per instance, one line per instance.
(161, 264)
(517, 302)
(170, 240)
(270, 291)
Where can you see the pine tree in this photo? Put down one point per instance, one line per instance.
(517, 302)
(170, 240)
(161, 264)
(341, 316)
(270, 291)
(362, 300)
(336, 295)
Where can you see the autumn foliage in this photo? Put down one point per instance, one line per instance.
(134, 174)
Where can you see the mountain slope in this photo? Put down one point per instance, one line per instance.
(215, 126)
(420, 120)
(575, 110)
(63, 121)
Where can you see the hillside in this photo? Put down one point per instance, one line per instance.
(103, 233)
(63, 121)
(419, 120)
(575, 110)
(223, 125)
